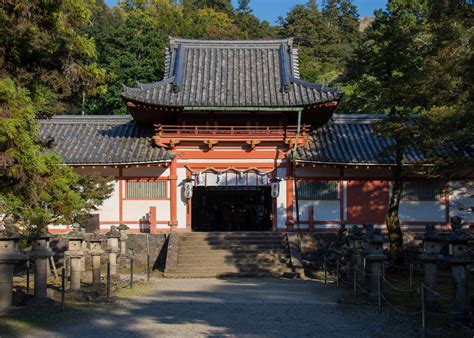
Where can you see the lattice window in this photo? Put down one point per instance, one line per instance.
(422, 190)
(146, 189)
(316, 190)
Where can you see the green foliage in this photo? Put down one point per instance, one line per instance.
(43, 48)
(325, 37)
(36, 187)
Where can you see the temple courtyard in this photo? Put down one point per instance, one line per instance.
(217, 307)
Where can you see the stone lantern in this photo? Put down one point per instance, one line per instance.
(432, 245)
(41, 254)
(375, 258)
(123, 239)
(459, 258)
(75, 252)
(95, 250)
(113, 248)
(9, 255)
(357, 247)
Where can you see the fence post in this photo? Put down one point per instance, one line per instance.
(27, 276)
(131, 272)
(66, 265)
(108, 281)
(423, 310)
(379, 295)
(337, 273)
(325, 271)
(148, 267)
(63, 287)
(355, 282)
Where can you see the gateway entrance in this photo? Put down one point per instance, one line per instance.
(231, 209)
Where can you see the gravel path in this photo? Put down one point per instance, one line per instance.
(236, 307)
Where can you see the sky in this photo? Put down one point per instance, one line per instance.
(270, 10)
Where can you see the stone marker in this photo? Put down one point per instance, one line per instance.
(375, 258)
(95, 250)
(459, 258)
(432, 245)
(75, 253)
(113, 248)
(9, 255)
(41, 253)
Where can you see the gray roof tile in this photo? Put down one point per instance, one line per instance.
(231, 74)
(86, 140)
(351, 139)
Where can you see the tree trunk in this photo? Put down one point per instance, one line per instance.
(393, 222)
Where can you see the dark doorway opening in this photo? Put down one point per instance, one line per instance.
(231, 209)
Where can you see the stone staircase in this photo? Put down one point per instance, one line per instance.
(228, 254)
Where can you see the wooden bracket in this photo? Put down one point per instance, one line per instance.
(210, 143)
(253, 143)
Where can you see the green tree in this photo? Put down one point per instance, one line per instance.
(35, 186)
(43, 49)
(325, 37)
(385, 72)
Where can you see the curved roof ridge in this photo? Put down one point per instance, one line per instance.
(230, 42)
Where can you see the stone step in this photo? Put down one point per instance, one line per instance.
(230, 270)
(234, 234)
(212, 262)
(274, 241)
(255, 257)
(288, 274)
(231, 247)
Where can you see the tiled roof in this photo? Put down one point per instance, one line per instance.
(202, 73)
(351, 139)
(90, 140)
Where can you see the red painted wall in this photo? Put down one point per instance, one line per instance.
(367, 201)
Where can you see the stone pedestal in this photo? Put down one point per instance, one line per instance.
(123, 239)
(375, 258)
(75, 253)
(9, 255)
(95, 250)
(41, 253)
(113, 248)
(459, 258)
(432, 245)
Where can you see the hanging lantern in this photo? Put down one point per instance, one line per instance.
(188, 188)
(275, 187)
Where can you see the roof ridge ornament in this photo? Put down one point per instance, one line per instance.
(284, 69)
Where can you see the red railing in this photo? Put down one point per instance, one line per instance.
(173, 134)
(229, 131)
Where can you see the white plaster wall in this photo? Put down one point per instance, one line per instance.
(181, 206)
(136, 210)
(422, 211)
(281, 200)
(152, 171)
(322, 210)
(109, 210)
(461, 200)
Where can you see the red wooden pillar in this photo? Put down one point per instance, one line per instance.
(173, 223)
(152, 219)
(290, 182)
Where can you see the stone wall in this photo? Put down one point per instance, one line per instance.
(137, 245)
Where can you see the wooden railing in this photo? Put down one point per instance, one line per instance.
(174, 134)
